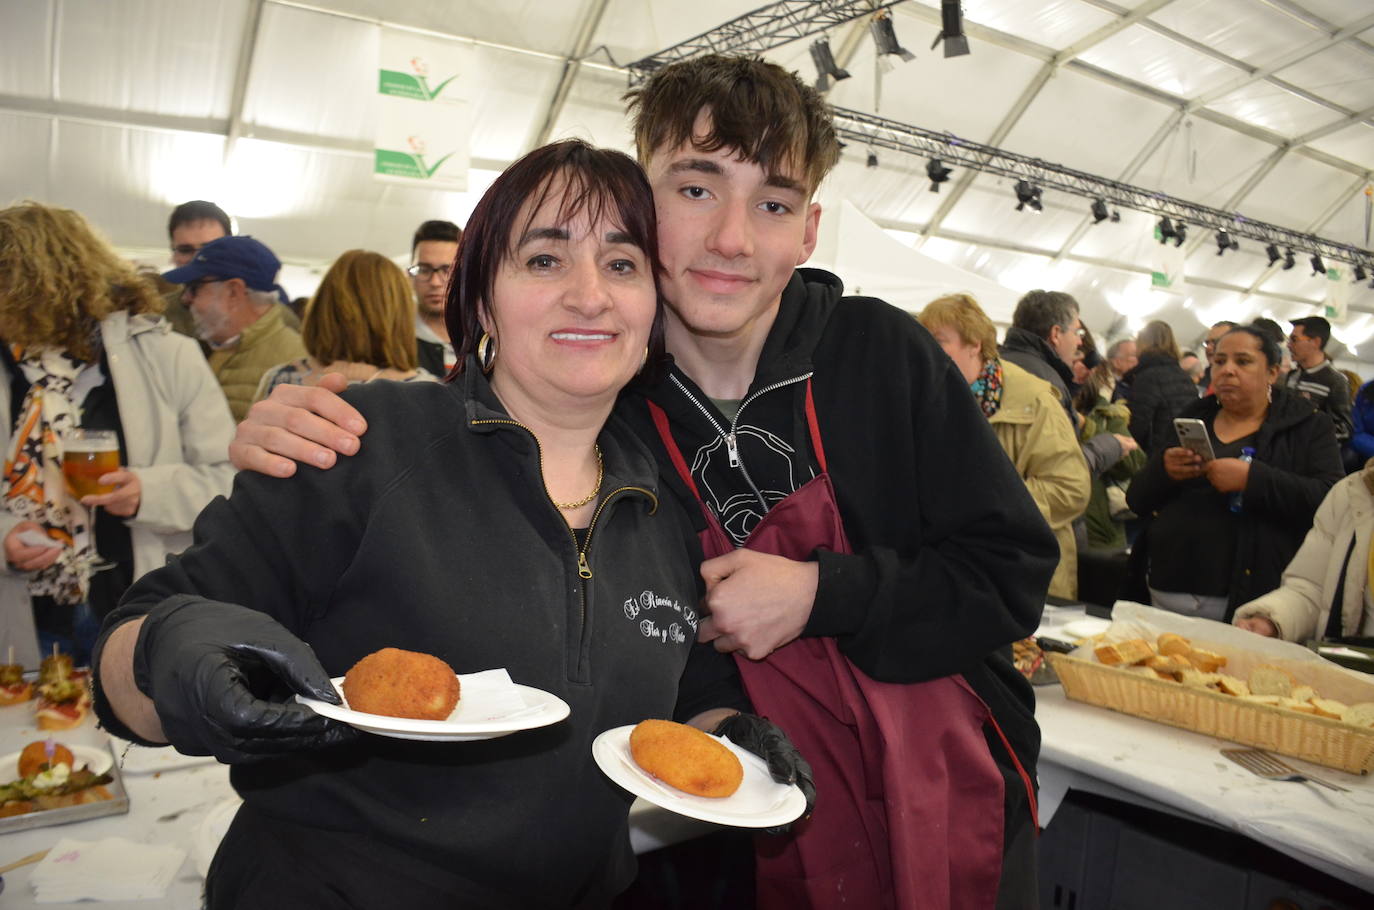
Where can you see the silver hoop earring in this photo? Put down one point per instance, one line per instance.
(486, 352)
(1269, 393)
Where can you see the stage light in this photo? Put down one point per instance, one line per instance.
(1099, 210)
(1288, 260)
(937, 172)
(1028, 194)
(1273, 253)
(1165, 229)
(1359, 274)
(952, 29)
(1226, 242)
(1180, 233)
(826, 68)
(1318, 267)
(872, 159)
(885, 38)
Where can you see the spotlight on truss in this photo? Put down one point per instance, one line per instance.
(872, 159)
(885, 37)
(952, 29)
(1318, 267)
(1226, 242)
(1180, 233)
(1099, 210)
(1359, 274)
(1273, 253)
(1288, 260)
(937, 172)
(827, 70)
(1166, 231)
(1028, 194)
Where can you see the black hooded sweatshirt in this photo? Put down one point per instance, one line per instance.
(952, 558)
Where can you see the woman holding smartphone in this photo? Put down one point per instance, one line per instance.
(1219, 531)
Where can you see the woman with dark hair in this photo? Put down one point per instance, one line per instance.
(1157, 388)
(504, 518)
(1219, 532)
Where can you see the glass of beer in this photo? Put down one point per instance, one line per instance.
(87, 456)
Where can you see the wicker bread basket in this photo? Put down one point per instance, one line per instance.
(1316, 739)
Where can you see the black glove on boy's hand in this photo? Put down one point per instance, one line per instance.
(209, 668)
(766, 740)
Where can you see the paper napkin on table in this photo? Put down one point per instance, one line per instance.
(113, 869)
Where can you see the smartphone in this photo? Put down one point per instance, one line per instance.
(1192, 435)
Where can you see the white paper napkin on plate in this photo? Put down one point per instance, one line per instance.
(491, 695)
(113, 869)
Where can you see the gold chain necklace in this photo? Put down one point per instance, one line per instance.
(600, 473)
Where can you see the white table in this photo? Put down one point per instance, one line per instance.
(1161, 767)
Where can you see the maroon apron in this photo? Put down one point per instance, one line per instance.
(909, 801)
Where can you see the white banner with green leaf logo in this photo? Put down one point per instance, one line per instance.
(424, 124)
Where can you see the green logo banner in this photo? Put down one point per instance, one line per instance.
(404, 85)
(405, 164)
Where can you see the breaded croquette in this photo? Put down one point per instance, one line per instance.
(402, 684)
(685, 758)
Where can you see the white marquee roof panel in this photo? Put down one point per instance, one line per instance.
(187, 71)
(1152, 59)
(1055, 129)
(1296, 191)
(538, 26)
(1243, 29)
(25, 51)
(1057, 23)
(1203, 162)
(1344, 73)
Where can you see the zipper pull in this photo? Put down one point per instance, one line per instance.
(582, 568)
(732, 449)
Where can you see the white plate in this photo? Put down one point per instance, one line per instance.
(211, 831)
(760, 801)
(1085, 628)
(97, 759)
(471, 720)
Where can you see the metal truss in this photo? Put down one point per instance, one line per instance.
(953, 151)
(761, 30)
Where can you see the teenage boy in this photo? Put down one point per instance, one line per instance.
(873, 552)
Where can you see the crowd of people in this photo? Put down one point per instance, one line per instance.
(617, 380)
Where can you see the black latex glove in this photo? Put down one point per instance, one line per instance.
(219, 675)
(766, 740)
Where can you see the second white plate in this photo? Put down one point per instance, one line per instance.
(760, 801)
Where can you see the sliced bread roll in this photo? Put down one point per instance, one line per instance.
(1272, 700)
(1303, 693)
(1173, 644)
(1124, 652)
(1206, 661)
(1270, 680)
(1329, 707)
(1231, 685)
(1360, 715)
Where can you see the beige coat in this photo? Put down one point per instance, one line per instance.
(1036, 435)
(266, 343)
(1300, 605)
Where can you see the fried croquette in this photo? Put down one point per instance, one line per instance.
(402, 684)
(685, 758)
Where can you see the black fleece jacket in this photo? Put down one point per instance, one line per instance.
(1296, 462)
(1157, 391)
(358, 558)
(952, 558)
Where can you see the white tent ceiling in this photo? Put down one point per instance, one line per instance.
(122, 108)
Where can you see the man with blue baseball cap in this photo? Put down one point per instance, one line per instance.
(231, 289)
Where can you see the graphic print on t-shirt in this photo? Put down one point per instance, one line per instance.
(727, 490)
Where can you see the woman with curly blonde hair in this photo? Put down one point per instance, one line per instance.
(83, 347)
(361, 323)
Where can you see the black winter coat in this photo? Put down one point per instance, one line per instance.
(1157, 391)
(1296, 462)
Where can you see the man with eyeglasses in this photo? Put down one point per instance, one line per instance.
(230, 288)
(432, 254)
